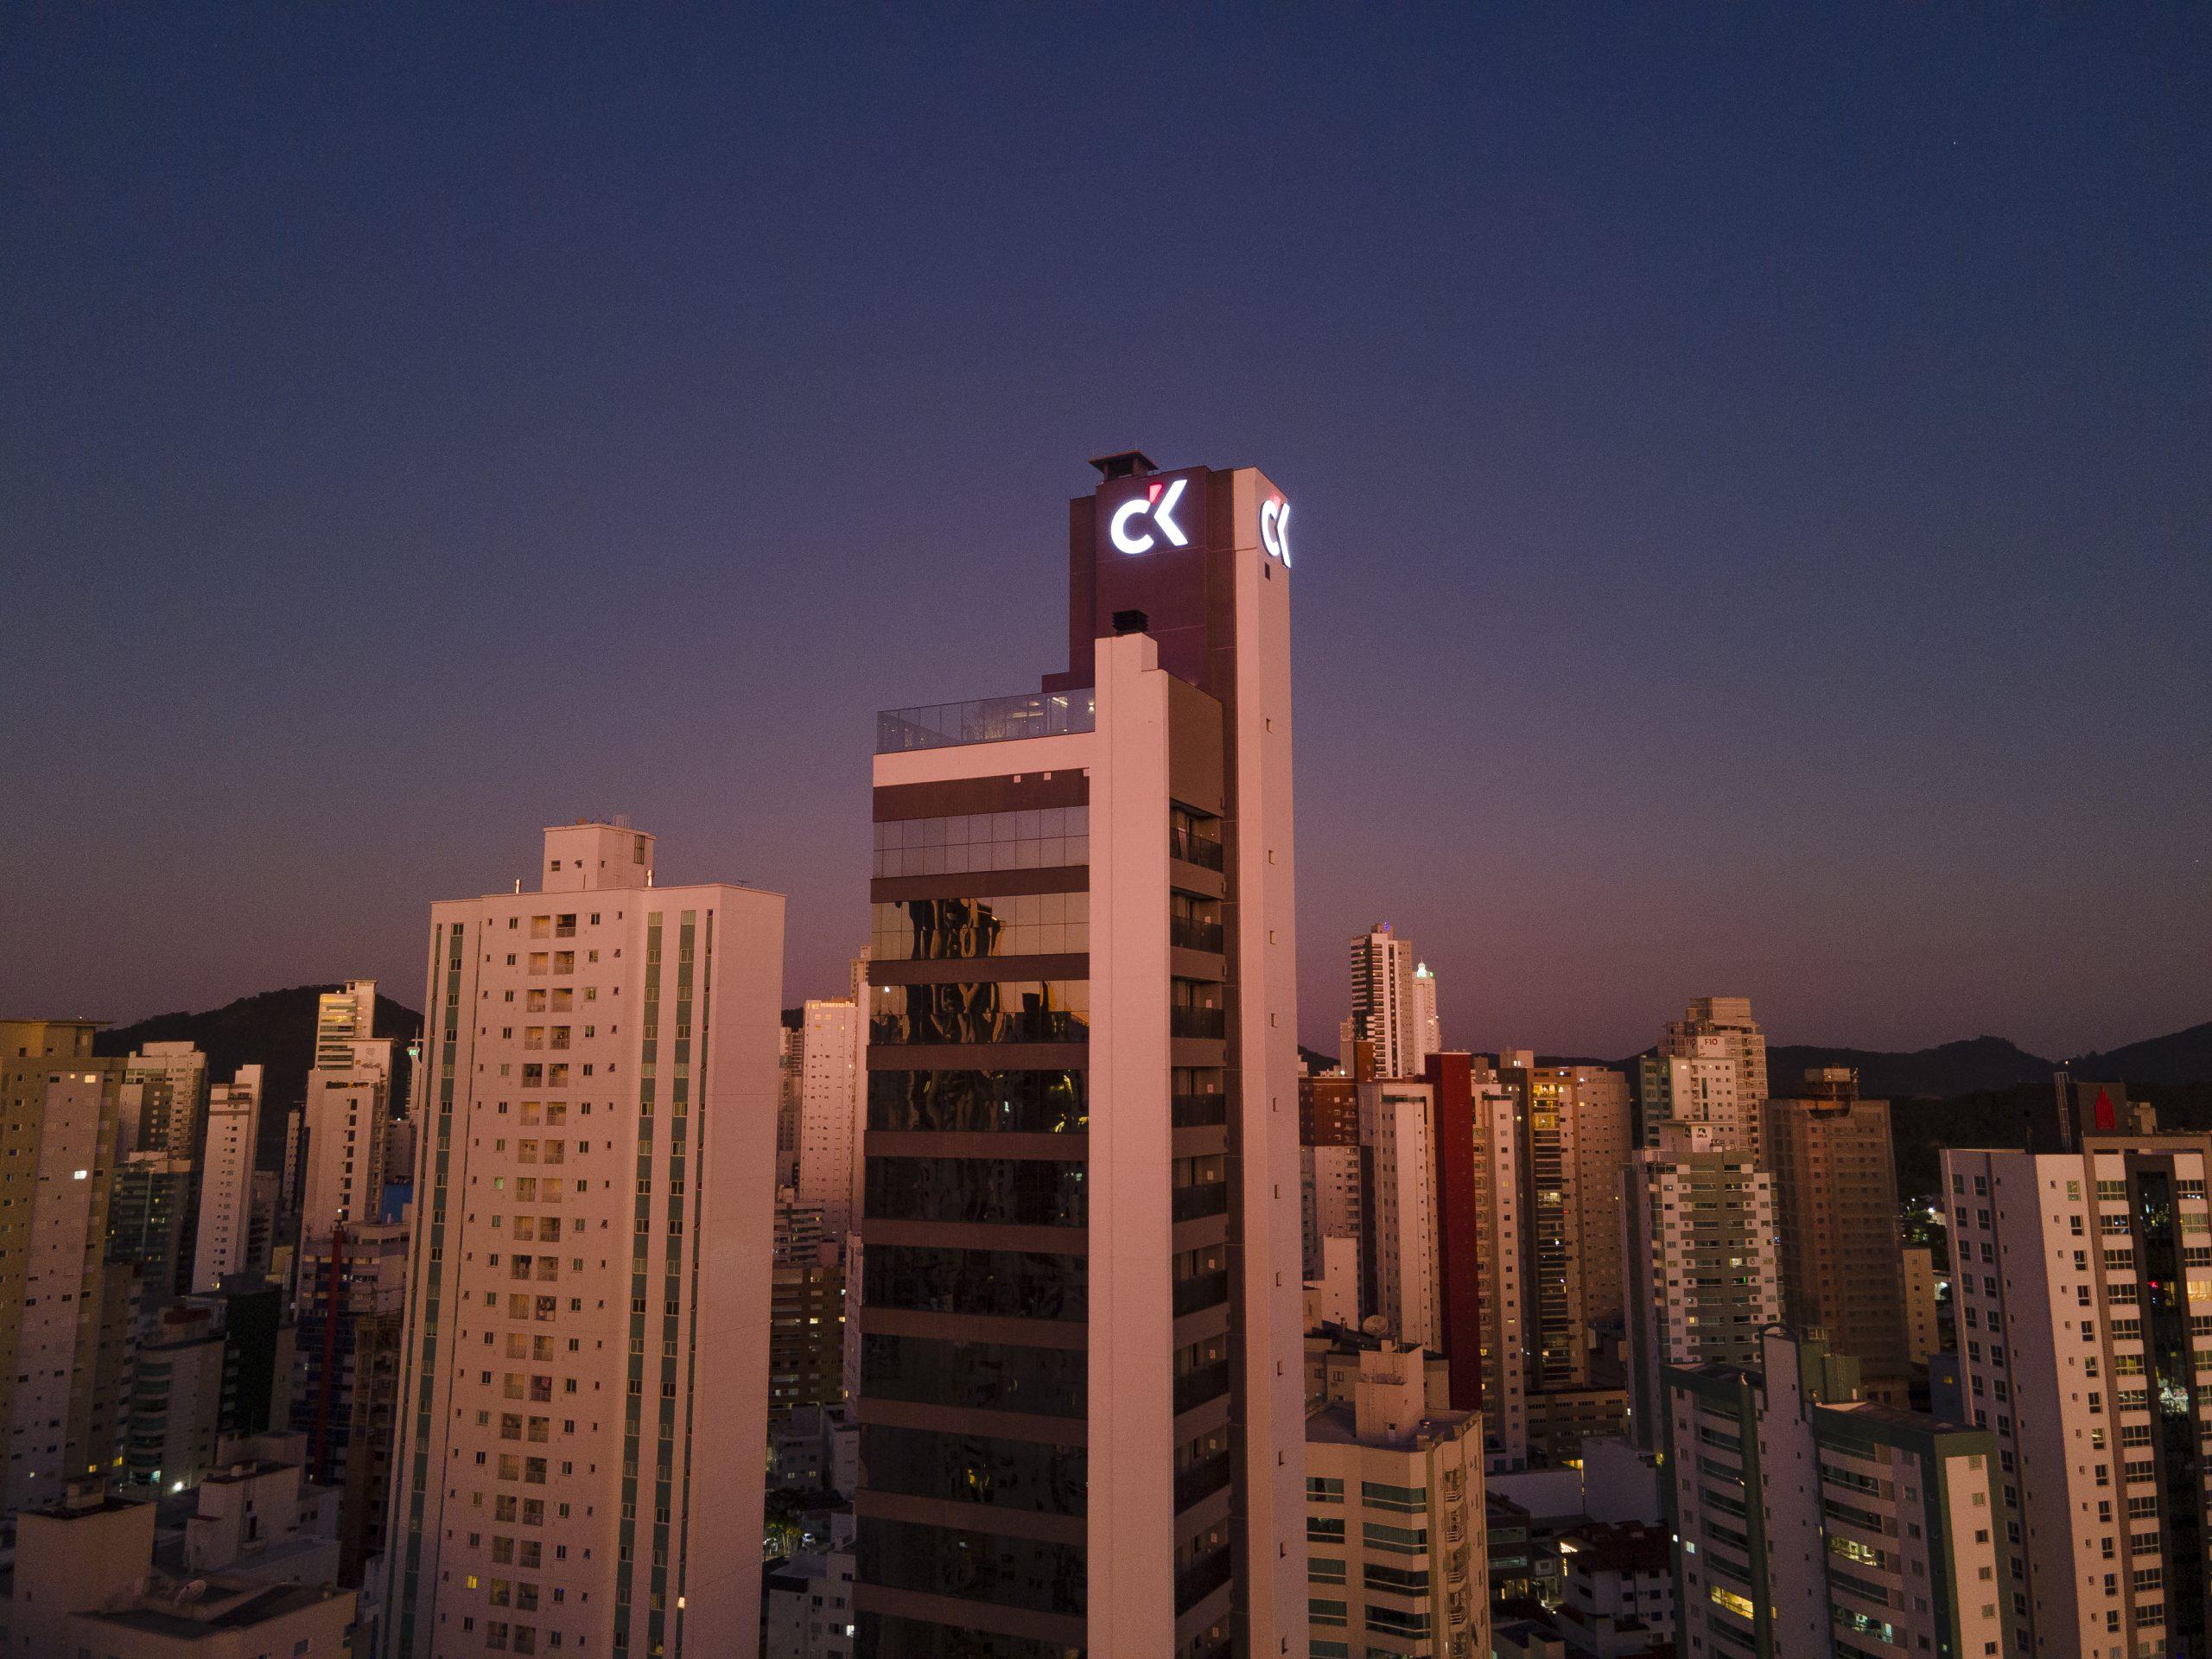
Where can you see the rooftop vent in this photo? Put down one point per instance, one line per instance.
(1130, 463)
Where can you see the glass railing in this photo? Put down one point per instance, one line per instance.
(1199, 1022)
(1193, 934)
(1197, 1111)
(1192, 849)
(985, 720)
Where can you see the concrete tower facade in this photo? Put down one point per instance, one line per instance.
(2082, 1302)
(584, 1397)
(1081, 1389)
(225, 1242)
(62, 1303)
(1388, 1006)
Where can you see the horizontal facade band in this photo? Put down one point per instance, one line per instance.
(962, 1614)
(1068, 1336)
(987, 1236)
(955, 797)
(988, 1056)
(987, 1143)
(970, 1517)
(979, 884)
(976, 1422)
(976, 970)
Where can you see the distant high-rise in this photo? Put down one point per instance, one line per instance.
(1427, 1028)
(1731, 1095)
(830, 1056)
(66, 1315)
(2081, 1312)
(1703, 1270)
(164, 1100)
(1835, 1192)
(585, 1386)
(225, 1240)
(1395, 1118)
(1081, 1403)
(343, 1018)
(1386, 1008)
(349, 1343)
(347, 1117)
(149, 1229)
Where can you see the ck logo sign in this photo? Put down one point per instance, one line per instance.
(1158, 504)
(1274, 528)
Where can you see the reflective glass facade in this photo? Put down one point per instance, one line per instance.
(981, 1011)
(991, 1284)
(1045, 838)
(1018, 1102)
(1007, 924)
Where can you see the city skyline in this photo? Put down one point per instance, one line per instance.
(1753, 469)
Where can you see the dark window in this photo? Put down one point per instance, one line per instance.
(1007, 1191)
(1020, 1102)
(999, 1284)
(973, 1469)
(997, 1376)
(976, 1565)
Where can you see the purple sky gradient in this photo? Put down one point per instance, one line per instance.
(1754, 475)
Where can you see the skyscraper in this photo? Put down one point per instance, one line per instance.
(579, 1461)
(1728, 1086)
(1835, 1193)
(164, 1100)
(1703, 1269)
(61, 1385)
(225, 1240)
(829, 1109)
(2081, 1309)
(344, 1017)
(1428, 1029)
(1814, 1522)
(1081, 1394)
(346, 1117)
(1389, 1008)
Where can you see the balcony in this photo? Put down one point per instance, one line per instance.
(1200, 1580)
(985, 720)
(1199, 1022)
(1206, 1290)
(1201, 1480)
(1192, 849)
(1195, 1203)
(1198, 1111)
(1194, 1388)
(1194, 935)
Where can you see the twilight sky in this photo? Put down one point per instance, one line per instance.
(1754, 474)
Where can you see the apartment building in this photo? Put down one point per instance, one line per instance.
(829, 1051)
(164, 1100)
(1812, 1521)
(584, 1396)
(224, 1242)
(1923, 1319)
(1720, 1080)
(1390, 1008)
(348, 1118)
(1836, 1192)
(1703, 1262)
(1396, 1560)
(67, 1315)
(1399, 1195)
(85, 1582)
(2081, 1311)
(1081, 1421)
